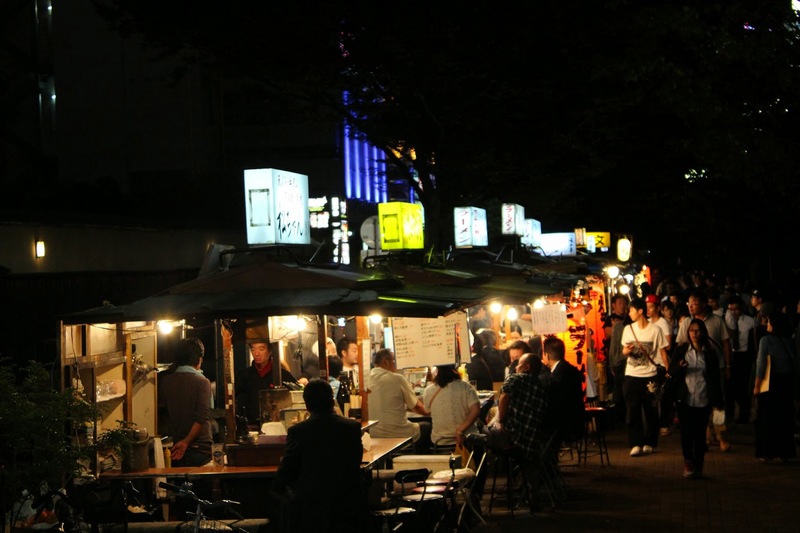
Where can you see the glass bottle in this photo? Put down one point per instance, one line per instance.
(343, 397)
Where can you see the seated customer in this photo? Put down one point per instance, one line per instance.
(486, 366)
(515, 350)
(565, 389)
(322, 468)
(454, 406)
(390, 396)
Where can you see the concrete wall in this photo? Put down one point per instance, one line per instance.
(105, 249)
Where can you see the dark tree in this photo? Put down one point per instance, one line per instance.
(654, 118)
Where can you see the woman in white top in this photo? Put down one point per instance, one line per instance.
(454, 406)
(695, 369)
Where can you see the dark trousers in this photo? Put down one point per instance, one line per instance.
(694, 421)
(423, 445)
(618, 374)
(739, 389)
(642, 415)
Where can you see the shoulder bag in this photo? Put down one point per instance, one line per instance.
(663, 379)
(765, 382)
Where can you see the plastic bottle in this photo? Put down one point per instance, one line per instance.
(167, 458)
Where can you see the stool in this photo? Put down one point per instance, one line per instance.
(596, 431)
(508, 459)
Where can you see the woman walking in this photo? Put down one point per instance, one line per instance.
(775, 413)
(695, 368)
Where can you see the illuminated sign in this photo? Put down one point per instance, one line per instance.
(513, 219)
(470, 227)
(276, 207)
(602, 239)
(533, 233)
(401, 225)
(558, 244)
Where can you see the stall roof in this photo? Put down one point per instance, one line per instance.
(268, 288)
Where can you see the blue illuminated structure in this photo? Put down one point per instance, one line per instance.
(364, 170)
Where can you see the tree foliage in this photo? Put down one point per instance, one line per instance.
(36, 423)
(587, 113)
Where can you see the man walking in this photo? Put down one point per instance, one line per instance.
(644, 346)
(741, 328)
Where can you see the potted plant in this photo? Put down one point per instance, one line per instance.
(43, 440)
(115, 446)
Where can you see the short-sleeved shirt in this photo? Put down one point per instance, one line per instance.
(450, 407)
(647, 344)
(664, 326)
(527, 409)
(717, 332)
(390, 397)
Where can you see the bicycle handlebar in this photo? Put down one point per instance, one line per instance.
(182, 491)
(170, 486)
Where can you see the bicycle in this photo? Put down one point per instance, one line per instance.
(199, 522)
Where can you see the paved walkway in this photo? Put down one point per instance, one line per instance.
(649, 493)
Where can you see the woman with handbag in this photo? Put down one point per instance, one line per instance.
(774, 390)
(695, 370)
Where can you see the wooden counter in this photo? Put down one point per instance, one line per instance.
(380, 448)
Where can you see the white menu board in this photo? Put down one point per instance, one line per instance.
(430, 341)
(549, 319)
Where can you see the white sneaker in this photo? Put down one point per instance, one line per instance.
(647, 449)
(636, 451)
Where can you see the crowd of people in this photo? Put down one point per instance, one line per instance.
(687, 356)
(709, 353)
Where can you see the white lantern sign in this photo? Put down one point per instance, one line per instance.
(276, 207)
(513, 219)
(470, 227)
(533, 233)
(559, 244)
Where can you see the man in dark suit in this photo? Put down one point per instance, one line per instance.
(322, 468)
(565, 392)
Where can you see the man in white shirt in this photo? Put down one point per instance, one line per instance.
(644, 346)
(742, 332)
(390, 396)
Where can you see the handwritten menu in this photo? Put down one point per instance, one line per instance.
(430, 341)
(549, 319)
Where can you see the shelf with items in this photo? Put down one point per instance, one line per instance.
(112, 365)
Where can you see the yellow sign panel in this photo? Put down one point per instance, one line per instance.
(401, 225)
(602, 240)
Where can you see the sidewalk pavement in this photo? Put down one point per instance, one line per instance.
(648, 493)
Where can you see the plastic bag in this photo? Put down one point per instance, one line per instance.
(718, 417)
